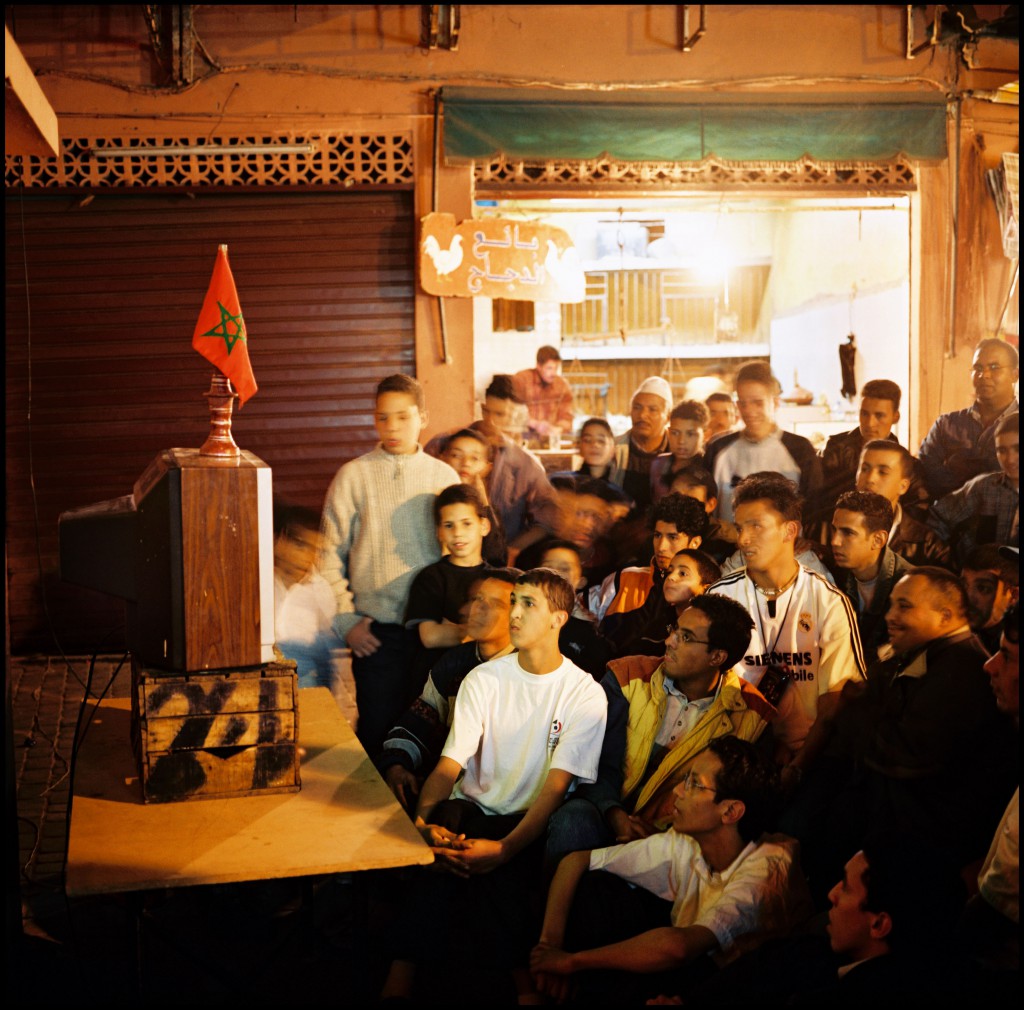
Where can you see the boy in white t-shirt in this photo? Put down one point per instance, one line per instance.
(525, 728)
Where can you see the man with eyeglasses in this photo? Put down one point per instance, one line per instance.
(677, 706)
(961, 444)
(622, 921)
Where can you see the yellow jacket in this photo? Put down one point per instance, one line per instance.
(739, 709)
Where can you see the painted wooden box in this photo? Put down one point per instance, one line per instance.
(216, 734)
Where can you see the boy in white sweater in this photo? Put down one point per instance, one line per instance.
(378, 529)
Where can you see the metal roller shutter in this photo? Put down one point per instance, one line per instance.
(114, 287)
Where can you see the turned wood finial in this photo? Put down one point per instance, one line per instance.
(220, 396)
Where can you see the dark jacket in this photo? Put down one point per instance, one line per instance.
(919, 545)
(871, 622)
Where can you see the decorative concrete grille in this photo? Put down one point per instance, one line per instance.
(345, 160)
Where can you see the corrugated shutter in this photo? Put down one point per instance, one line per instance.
(113, 292)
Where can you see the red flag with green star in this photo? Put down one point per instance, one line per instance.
(220, 335)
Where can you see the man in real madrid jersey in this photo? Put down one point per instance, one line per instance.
(805, 645)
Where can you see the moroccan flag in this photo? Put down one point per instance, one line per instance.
(220, 335)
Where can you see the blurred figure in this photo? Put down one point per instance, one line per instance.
(548, 399)
(596, 444)
(303, 601)
(991, 580)
(722, 415)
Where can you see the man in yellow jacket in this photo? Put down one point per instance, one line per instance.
(676, 707)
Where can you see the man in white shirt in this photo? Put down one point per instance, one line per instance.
(709, 884)
(525, 728)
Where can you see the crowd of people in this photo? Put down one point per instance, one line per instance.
(663, 716)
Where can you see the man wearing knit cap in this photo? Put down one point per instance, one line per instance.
(637, 449)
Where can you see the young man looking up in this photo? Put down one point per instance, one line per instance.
(804, 647)
(886, 468)
(699, 887)
(760, 444)
(677, 706)
(524, 727)
(866, 569)
(413, 745)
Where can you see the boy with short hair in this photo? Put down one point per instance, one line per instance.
(641, 632)
(686, 426)
(439, 591)
(761, 445)
(698, 482)
(525, 727)
(722, 415)
(887, 468)
(879, 411)
(676, 522)
(471, 455)
(378, 533)
(579, 640)
(991, 580)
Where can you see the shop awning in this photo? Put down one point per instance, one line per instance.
(532, 125)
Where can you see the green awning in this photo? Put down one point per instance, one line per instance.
(524, 124)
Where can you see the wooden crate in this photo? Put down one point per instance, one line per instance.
(216, 734)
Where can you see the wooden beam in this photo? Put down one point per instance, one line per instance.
(30, 124)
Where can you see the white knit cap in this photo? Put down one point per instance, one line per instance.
(658, 386)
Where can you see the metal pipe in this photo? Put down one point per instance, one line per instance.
(438, 101)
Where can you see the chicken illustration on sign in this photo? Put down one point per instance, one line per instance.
(499, 258)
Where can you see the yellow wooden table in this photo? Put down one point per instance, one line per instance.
(344, 819)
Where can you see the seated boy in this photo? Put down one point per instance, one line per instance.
(303, 601)
(525, 727)
(709, 885)
(414, 743)
(471, 455)
(686, 426)
(676, 522)
(697, 482)
(579, 639)
(378, 533)
(641, 632)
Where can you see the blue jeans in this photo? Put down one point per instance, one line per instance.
(577, 825)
